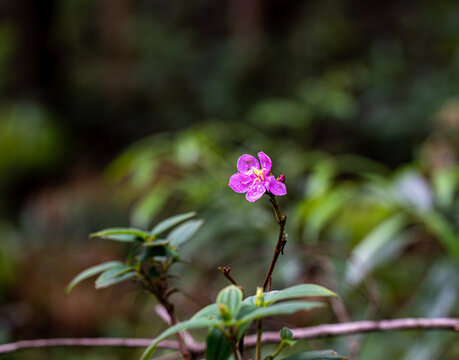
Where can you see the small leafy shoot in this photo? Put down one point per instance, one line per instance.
(94, 270)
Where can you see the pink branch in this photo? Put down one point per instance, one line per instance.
(268, 337)
(124, 342)
(363, 327)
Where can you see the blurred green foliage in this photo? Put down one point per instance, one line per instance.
(28, 139)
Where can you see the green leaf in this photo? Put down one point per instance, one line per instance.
(121, 237)
(242, 330)
(285, 308)
(190, 324)
(217, 345)
(111, 273)
(245, 310)
(210, 311)
(297, 291)
(132, 253)
(121, 234)
(231, 296)
(316, 355)
(116, 280)
(293, 292)
(94, 270)
(184, 232)
(171, 222)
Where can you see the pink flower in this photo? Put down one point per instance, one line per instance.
(255, 181)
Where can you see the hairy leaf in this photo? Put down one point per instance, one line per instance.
(285, 308)
(296, 291)
(231, 296)
(210, 311)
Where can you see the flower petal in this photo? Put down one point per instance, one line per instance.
(265, 162)
(276, 187)
(240, 182)
(246, 162)
(268, 180)
(255, 192)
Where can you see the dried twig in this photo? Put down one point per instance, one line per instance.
(268, 337)
(225, 270)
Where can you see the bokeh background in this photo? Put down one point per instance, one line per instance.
(121, 113)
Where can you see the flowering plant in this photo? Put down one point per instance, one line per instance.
(229, 318)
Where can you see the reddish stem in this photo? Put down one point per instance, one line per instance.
(170, 310)
(281, 241)
(225, 270)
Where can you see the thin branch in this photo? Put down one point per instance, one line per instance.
(357, 327)
(122, 342)
(163, 315)
(312, 332)
(281, 241)
(161, 292)
(225, 270)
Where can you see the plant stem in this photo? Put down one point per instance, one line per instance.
(226, 273)
(160, 291)
(258, 346)
(281, 347)
(281, 241)
(236, 354)
(232, 340)
(170, 310)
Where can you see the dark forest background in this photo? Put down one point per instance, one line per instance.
(121, 113)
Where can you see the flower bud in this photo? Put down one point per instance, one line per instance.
(286, 334)
(224, 312)
(259, 297)
(281, 178)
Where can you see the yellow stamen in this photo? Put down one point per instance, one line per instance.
(258, 173)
